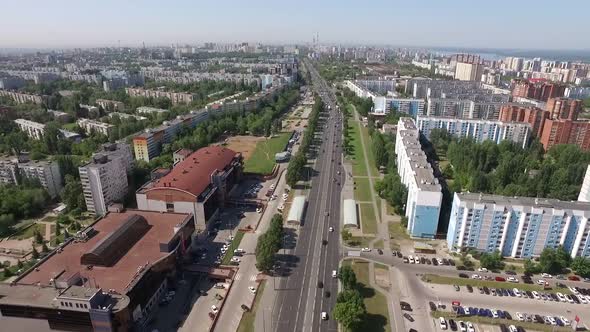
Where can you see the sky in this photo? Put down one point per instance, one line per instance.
(522, 24)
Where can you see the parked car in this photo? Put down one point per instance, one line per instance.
(408, 317)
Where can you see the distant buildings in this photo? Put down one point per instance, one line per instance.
(532, 115)
(11, 82)
(175, 97)
(409, 106)
(22, 98)
(116, 79)
(519, 227)
(566, 132)
(564, 108)
(123, 116)
(465, 71)
(478, 130)
(150, 110)
(110, 105)
(92, 126)
(539, 90)
(46, 172)
(104, 179)
(424, 191)
(35, 130)
(198, 185)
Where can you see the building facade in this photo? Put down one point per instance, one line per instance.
(532, 115)
(424, 191)
(564, 108)
(92, 126)
(519, 227)
(566, 132)
(478, 130)
(468, 71)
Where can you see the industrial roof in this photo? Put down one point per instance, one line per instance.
(296, 212)
(349, 213)
(193, 174)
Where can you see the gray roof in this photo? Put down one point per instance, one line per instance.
(523, 201)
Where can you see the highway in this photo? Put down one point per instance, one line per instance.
(299, 300)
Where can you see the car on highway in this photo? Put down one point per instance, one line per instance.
(214, 309)
(405, 306)
(380, 252)
(324, 315)
(334, 274)
(244, 307)
(331, 229)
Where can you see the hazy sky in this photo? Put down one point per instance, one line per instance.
(546, 24)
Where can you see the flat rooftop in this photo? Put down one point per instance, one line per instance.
(523, 201)
(65, 264)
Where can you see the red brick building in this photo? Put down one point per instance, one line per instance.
(537, 90)
(564, 108)
(566, 132)
(532, 115)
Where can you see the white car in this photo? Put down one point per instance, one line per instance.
(411, 259)
(467, 311)
(470, 327)
(235, 259)
(252, 289)
(482, 269)
(512, 279)
(569, 298)
(475, 276)
(512, 328)
(516, 292)
(443, 323)
(462, 326)
(546, 275)
(331, 229)
(285, 195)
(541, 282)
(552, 320)
(561, 297)
(214, 309)
(324, 315)
(520, 317)
(536, 295)
(565, 321)
(366, 250)
(583, 299)
(573, 290)
(281, 207)
(494, 313)
(272, 186)
(334, 274)
(258, 210)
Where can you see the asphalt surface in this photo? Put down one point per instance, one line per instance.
(300, 301)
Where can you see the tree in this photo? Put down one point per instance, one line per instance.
(347, 277)
(581, 265)
(17, 142)
(350, 309)
(7, 273)
(492, 261)
(346, 235)
(34, 253)
(72, 194)
(57, 228)
(553, 260)
(38, 236)
(19, 264)
(531, 267)
(44, 248)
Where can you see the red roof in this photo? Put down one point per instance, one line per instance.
(193, 174)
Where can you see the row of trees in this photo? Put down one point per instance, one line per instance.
(350, 310)
(507, 169)
(269, 244)
(17, 202)
(556, 261)
(298, 162)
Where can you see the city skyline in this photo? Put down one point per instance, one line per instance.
(426, 23)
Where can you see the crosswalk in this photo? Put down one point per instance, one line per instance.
(239, 276)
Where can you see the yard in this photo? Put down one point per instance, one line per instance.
(368, 221)
(28, 232)
(262, 159)
(377, 313)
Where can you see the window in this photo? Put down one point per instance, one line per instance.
(77, 305)
(85, 306)
(170, 207)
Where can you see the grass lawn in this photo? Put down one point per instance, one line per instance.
(368, 220)
(262, 159)
(376, 303)
(25, 233)
(369, 151)
(397, 231)
(235, 244)
(359, 167)
(436, 279)
(360, 241)
(70, 126)
(362, 190)
(379, 244)
(528, 326)
(389, 209)
(381, 266)
(247, 321)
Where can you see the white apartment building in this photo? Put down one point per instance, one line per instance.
(8, 171)
(104, 179)
(468, 71)
(478, 130)
(47, 172)
(92, 126)
(31, 128)
(584, 195)
(149, 110)
(424, 191)
(519, 227)
(127, 116)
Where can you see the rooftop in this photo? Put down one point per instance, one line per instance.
(118, 272)
(523, 201)
(193, 174)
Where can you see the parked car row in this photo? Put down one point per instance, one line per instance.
(252, 192)
(428, 261)
(549, 320)
(578, 297)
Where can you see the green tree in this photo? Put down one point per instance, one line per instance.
(554, 260)
(346, 235)
(581, 265)
(531, 267)
(38, 236)
(19, 264)
(350, 309)
(492, 261)
(72, 194)
(347, 277)
(34, 253)
(44, 248)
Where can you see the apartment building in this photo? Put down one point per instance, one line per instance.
(532, 115)
(478, 130)
(11, 82)
(104, 179)
(150, 110)
(410, 106)
(537, 89)
(110, 105)
(519, 227)
(468, 71)
(93, 126)
(22, 98)
(123, 116)
(175, 97)
(424, 191)
(13, 171)
(33, 129)
(566, 132)
(564, 108)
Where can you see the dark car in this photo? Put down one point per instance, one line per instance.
(451, 262)
(324, 242)
(469, 288)
(486, 290)
(507, 315)
(380, 252)
(408, 317)
(434, 261)
(463, 275)
(399, 254)
(452, 325)
(510, 273)
(320, 284)
(245, 307)
(503, 328)
(432, 306)
(445, 261)
(405, 306)
(539, 319)
(327, 294)
(422, 260)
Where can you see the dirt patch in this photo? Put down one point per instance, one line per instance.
(382, 277)
(243, 144)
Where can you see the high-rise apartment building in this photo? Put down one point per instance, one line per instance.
(519, 227)
(104, 179)
(46, 172)
(566, 132)
(539, 90)
(564, 108)
(92, 126)
(468, 71)
(424, 191)
(529, 114)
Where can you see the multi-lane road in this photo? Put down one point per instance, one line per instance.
(300, 299)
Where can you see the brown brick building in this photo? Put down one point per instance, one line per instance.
(566, 132)
(564, 108)
(537, 90)
(532, 115)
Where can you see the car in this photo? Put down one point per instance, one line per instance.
(512, 279)
(586, 279)
(463, 275)
(451, 262)
(510, 273)
(219, 286)
(507, 315)
(399, 254)
(320, 284)
(252, 289)
(452, 325)
(462, 326)
(512, 328)
(366, 249)
(573, 278)
(244, 307)
(467, 311)
(569, 298)
(546, 275)
(457, 288)
(536, 295)
(324, 242)
(560, 277)
(324, 315)
(411, 259)
(541, 282)
(214, 309)
(469, 288)
(331, 229)
(494, 313)
(327, 293)
(564, 320)
(501, 279)
(443, 323)
(516, 292)
(482, 269)
(405, 306)
(561, 297)
(406, 260)
(380, 252)
(408, 317)
(258, 210)
(475, 276)
(235, 259)
(432, 306)
(470, 327)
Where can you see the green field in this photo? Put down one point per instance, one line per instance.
(368, 221)
(262, 159)
(362, 190)
(235, 244)
(528, 326)
(369, 151)
(359, 168)
(379, 244)
(247, 321)
(25, 233)
(360, 241)
(436, 279)
(377, 319)
(397, 231)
